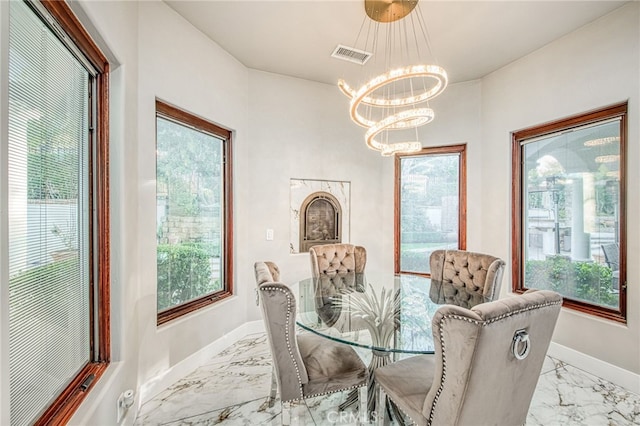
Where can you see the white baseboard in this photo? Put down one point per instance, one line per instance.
(162, 381)
(619, 376)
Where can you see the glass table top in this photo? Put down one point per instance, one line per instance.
(385, 313)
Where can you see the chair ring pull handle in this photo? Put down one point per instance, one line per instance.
(520, 345)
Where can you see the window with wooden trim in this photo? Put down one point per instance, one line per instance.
(430, 205)
(57, 212)
(568, 213)
(194, 212)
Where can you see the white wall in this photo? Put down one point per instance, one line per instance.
(289, 128)
(593, 67)
(179, 65)
(161, 56)
(301, 129)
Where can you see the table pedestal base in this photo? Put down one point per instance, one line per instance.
(379, 359)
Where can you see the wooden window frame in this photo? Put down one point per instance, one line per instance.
(165, 110)
(517, 206)
(65, 405)
(460, 149)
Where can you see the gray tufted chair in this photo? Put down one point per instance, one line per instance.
(336, 267)
(486, 364)
(476, 272)
(306, 364)
(267, 272)
(329, 290)
(447, 294)
(332, 259)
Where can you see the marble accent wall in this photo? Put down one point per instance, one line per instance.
(301, 189)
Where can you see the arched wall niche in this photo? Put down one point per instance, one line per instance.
(319, 213)
(320, 220)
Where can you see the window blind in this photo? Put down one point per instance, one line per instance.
(49, 320)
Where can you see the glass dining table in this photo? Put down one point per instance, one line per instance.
(385, 313)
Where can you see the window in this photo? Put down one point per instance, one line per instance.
(430, 200)
(569, 210)
(194, 220)
(57, 186)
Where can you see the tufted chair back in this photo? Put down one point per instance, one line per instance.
(279, 313)
(329, 289)
(484, 373)
(447, 294)
(306, 365)
(486, 364)
(266, 272)
(328, 286)
(332, 259)
(475, 272)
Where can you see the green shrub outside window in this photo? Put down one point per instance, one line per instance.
(184, 273)
(585, 281)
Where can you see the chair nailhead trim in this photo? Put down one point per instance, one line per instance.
(481, 323)
(290, 349)
(405, 413)
(287, 336)
(363, 384)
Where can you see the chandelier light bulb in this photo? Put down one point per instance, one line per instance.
(607, 159)
(602, 141)
(391, 100)
(429, 71)
(404, 119)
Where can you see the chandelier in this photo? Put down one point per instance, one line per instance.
(393, 103)
(602, 141)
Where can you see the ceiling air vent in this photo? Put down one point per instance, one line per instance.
(350, 54)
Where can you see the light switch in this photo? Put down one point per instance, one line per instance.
(269, 234)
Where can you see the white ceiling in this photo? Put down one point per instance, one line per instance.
(470, 39)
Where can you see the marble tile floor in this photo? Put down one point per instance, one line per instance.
(232, 389)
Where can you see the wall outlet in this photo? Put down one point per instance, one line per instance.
(269, 234)
(125, 401)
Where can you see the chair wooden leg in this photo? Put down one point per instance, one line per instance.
(381, 407)
(363, 410)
